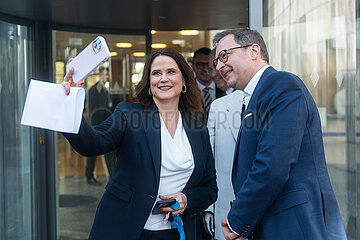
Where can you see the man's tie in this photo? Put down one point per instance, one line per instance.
(207, 99)
(243, 108)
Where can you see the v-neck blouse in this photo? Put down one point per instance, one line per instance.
(177, 165)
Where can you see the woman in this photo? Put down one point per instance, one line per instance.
(163, 153)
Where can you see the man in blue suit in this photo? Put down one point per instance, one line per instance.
(280, 179)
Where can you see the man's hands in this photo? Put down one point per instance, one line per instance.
(180, 197)
(208, 220)
(228, 234)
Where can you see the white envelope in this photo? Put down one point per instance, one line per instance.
(47, 106)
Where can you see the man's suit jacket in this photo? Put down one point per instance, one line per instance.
(219, 93)
(279, 176)
(223, 124)
(135, 132)
(99, 104)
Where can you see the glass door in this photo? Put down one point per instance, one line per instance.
(16, 149)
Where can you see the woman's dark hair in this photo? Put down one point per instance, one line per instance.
(190, 101)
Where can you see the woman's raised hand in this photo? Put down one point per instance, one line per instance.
(68, 81)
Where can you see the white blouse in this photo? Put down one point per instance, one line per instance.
(177, 165)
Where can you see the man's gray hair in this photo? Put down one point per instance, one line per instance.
(245, 36)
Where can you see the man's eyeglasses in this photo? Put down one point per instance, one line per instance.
(223, 55)
(202, 65)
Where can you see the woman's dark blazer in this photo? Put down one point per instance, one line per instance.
(134, 131)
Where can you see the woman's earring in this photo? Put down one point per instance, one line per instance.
(150, 92)
(184, 89)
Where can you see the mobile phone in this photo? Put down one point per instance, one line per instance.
(161, 204)
(89, 59)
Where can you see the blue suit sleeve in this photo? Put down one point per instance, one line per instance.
(101, 138)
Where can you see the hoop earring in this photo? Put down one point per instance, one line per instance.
(149, 91)
(184, 89)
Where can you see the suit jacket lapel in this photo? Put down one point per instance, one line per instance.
(219, 93)
(236, 151)
(252, 100)
(152, 128)
(233, 118)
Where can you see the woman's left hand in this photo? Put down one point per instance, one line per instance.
(180, 197)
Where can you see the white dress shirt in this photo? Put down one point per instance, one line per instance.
(250, 87)
(229, 90)
(177, 165)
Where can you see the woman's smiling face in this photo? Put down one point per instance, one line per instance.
(166, 79)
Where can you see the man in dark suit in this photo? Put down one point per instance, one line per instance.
(280, 179)
(99, 109)
(204, 81)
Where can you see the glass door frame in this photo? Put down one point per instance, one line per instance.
(35, 226)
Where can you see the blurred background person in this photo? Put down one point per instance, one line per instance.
(223, 124)
(99, 104)
(207, 87)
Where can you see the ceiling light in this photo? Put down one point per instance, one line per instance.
(124, 45)
(113, 54)
(153, 32)
(179, 42)
(189, 32)
(139, 54)
(158, 45)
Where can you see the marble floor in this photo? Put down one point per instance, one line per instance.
(77, 205)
